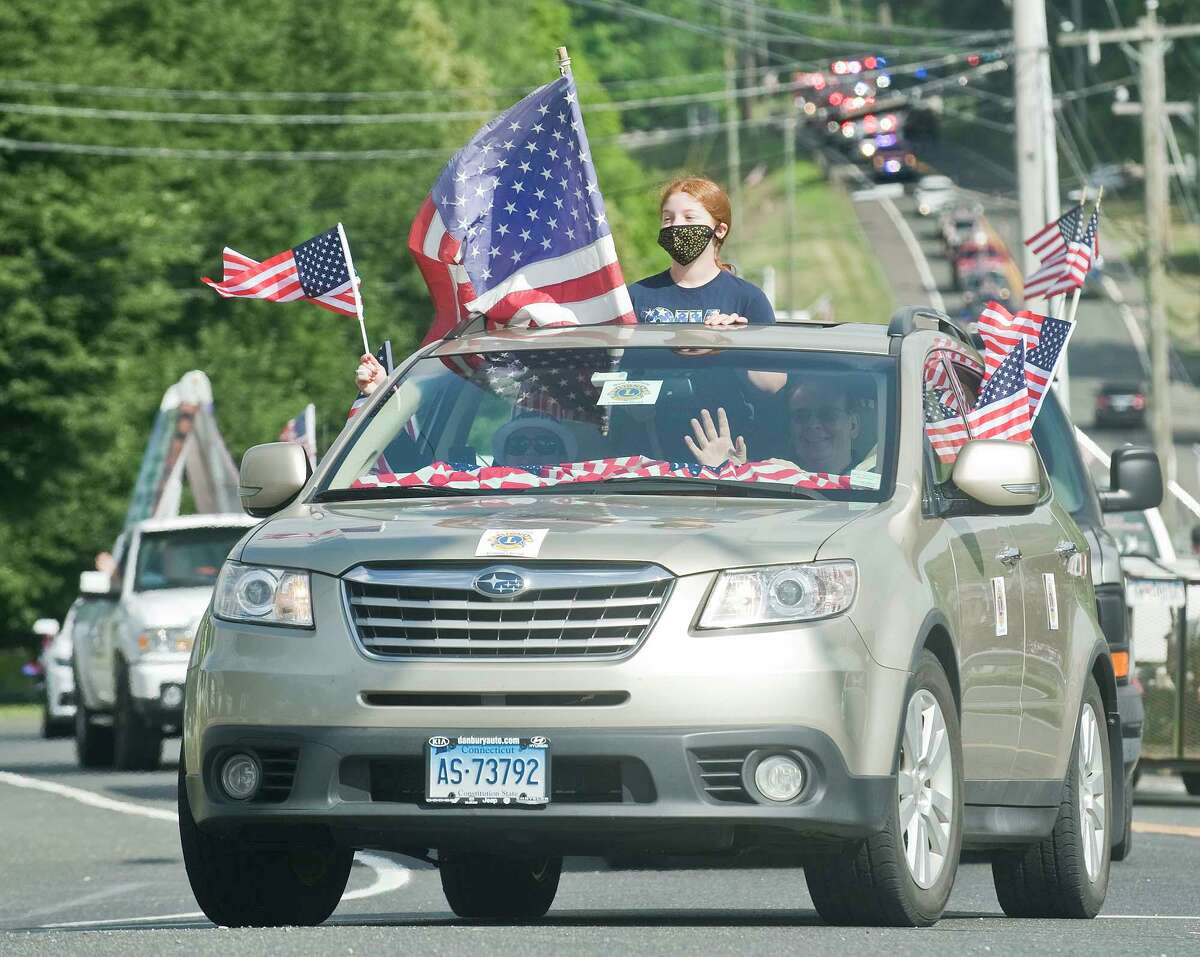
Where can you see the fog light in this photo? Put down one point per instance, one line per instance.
(779, 778)
(172, 696)
(240, 777)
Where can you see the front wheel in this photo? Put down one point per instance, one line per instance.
(137, 743)
(239, 885)
(903, 875)
(484, 886)
(93, 741)
(1066, 875)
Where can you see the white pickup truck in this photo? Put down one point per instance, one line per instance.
(130, 667)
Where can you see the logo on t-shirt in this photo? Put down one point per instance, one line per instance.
(663, 314)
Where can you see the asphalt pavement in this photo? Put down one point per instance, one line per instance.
(91, 865)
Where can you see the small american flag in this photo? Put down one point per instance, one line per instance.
(515, 228)
(1052, 240)
(1001, 330)
(303, 431)
(1042, 361)
(1083, 252)
(318, 270)
(1002, 409)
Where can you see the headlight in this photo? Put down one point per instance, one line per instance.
(165, 641)
(268, 596)
(780, 593)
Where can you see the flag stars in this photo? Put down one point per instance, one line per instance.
(510, 208)
(523, 166)
(539, 193)
(552, 223)
(532, 213)
(537, 128)
(570, 233)
(508, 144)
(514, 126)
(546, 174)
(494, 252)
(532, 147)
(502, 229)
(516, 255)
(518, 186)
(557, 135)
(501, 163)
(544, 109)
(525, 235)
(558, 203)
(546, 243)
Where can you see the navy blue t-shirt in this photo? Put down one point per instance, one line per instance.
(657, 299)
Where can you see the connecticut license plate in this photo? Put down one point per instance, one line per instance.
(473, 769)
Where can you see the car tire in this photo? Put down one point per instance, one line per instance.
(1124, 847)
(489, 887)
(239, 885)
(1191, 783)
(1066, 875)
(137, 743)
(93, 742)
(53, 727)
(895, 877)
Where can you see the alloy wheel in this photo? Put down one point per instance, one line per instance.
(1092, 796)
(925, 787)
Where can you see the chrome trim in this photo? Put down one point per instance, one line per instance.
(461, 578)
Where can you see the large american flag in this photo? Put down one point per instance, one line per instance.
(513, 478)
(515, 227)
(1002, 408)
(1042, 361)
(317, 270)
(1001, 330)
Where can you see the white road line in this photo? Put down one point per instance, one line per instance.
(1148, 917)
(918, 255)
(121, 920)
(389, 875)
(90, 798)
(1131, 324)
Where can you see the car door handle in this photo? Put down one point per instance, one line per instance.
(1066, 549)
(1009, 555)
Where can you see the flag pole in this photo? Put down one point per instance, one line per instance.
(564, 62)
(1079, 289)
(358, 309)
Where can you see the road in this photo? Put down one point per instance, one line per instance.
(80, 878)
(1109, 344)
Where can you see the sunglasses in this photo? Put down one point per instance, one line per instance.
(542, 444)
(825, 415)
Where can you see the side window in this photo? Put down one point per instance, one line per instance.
(1055, 441)
(945, 414)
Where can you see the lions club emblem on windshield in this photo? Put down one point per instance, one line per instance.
(526, 542)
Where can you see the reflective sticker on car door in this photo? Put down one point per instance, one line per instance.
(1001, 606)
(1051, 600)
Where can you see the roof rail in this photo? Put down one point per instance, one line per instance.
(908, 319)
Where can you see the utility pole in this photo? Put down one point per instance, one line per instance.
(1150, 35)
(1037, 146)
(733, 150)
(789, 166)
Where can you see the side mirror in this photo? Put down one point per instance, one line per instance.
(999, 473)
(96, 584)
(271, 476)
(46, 627)
(1134, 479)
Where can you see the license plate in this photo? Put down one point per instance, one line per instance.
(473, 769)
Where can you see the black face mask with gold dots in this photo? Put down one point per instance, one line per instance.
(685, 243)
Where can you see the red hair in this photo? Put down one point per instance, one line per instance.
(709, 195)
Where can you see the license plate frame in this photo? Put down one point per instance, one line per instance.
(475, 789)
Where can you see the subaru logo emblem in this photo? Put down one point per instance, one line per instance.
(499, 583)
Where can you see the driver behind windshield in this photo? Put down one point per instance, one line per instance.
(824, 425)
(532, 440)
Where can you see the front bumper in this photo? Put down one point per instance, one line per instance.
(156, 687)
(628, 792)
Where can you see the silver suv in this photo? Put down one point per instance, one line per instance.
(514, 615)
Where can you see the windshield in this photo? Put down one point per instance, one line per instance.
(748, 421)
(183, 557)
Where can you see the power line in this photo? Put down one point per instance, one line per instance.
(897, 29)
(250, 156)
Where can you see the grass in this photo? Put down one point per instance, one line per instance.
(833, 258)
(15, 686)
(19, 712)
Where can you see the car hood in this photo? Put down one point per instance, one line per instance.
(168, 607)
(684, 534)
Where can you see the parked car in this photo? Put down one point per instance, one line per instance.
(933, 194)
(958, 223)
(130, 665)
(54, 667)
(568, 642)
(1120, 405)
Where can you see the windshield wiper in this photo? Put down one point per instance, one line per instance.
(390, 491)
